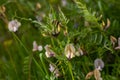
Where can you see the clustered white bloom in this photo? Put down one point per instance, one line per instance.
(14, 25)
(36, 47)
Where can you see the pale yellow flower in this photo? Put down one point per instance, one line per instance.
(54, 70)
(69, 51)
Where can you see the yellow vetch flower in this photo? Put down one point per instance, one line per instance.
(69, 51)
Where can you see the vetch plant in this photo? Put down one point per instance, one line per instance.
(70, 42)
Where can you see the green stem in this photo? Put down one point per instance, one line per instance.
(59, 43)
(30, 59)
(52, 42)
(42, 61)
(20, 42)
(42, 72)
(70, 69)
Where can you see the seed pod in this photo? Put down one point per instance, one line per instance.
(108, 24)
(113, 40)
(97, 74)
(118, 47)
(89, 75)
(2, 9)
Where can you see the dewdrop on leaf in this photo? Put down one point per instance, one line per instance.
(98, 64)
(36, 47)
(13, 25)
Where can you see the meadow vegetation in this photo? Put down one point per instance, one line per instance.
(59, 39)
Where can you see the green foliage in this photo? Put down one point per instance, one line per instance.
(51, 23)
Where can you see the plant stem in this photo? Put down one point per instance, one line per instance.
(70, 69)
